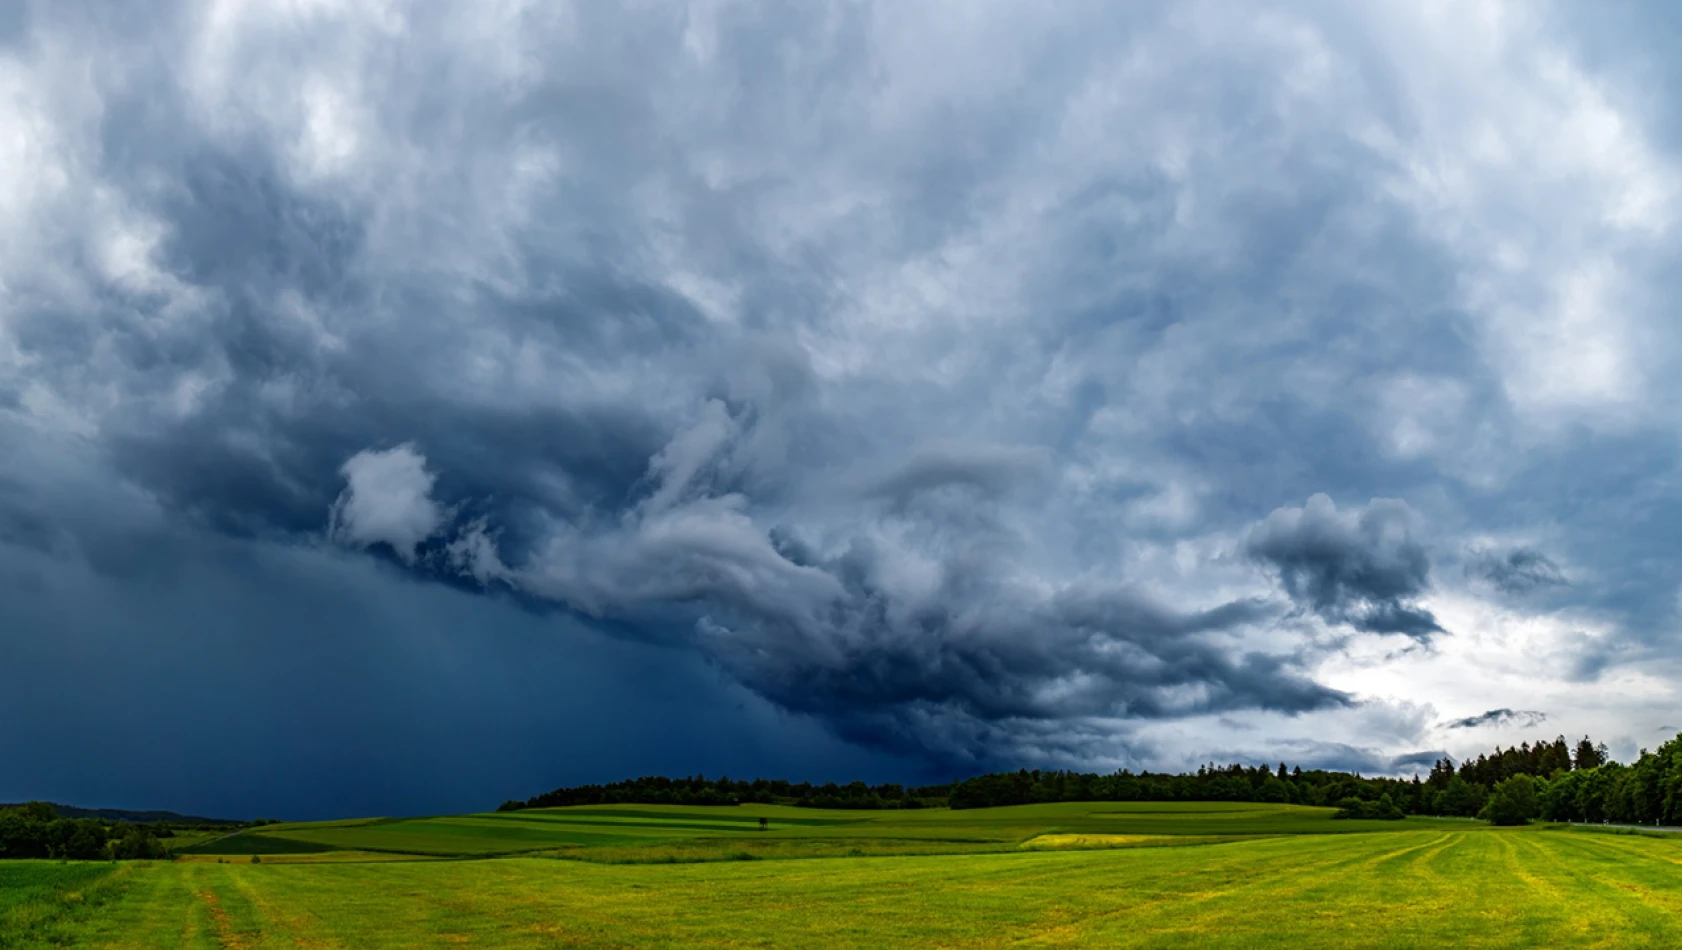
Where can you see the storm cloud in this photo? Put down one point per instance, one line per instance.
(914, 645)
(1500, 717)
(1363, 567)
(965, 384)
(1518, 570)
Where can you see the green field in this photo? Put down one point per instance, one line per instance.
(1157, 875)
(42, 903)
(619, 833)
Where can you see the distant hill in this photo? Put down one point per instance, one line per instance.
(137, 817)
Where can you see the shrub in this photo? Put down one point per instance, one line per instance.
(1383, 809)
(1514, 802)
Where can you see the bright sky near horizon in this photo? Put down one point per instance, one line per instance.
(406, 406)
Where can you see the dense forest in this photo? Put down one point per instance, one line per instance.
(1550, 780)
(38, 830)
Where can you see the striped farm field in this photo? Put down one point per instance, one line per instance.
(1045, 875)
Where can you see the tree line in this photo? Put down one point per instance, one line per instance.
(36, 830)
(1647, 791)
(700, 790)
(1553, 780)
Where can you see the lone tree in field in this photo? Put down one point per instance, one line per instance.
(1514, 802)
(764, 823)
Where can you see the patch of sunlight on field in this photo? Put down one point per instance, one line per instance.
(1063, 842)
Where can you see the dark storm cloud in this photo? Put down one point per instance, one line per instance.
(950, 663)
(955, 672)
(1500, 717)
(913, 368)
(1363, 567)
(1518, 570)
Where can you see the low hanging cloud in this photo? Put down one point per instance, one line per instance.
(387, 500)
(1342, 757)
(882, 631)
(1500, 717)
(1518, 570)
(1363, 567)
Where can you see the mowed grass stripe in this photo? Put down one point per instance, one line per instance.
(1638, 883)
(1343, 898)
(276, 915)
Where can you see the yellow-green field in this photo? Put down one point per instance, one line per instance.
(1051, 875)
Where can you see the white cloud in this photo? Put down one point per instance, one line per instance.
(1535, 177)
(388, 500)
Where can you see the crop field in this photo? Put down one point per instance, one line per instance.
(1047, 875)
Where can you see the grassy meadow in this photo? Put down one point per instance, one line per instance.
(632, 833)
(1101, 874)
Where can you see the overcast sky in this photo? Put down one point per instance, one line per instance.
(409, 406)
